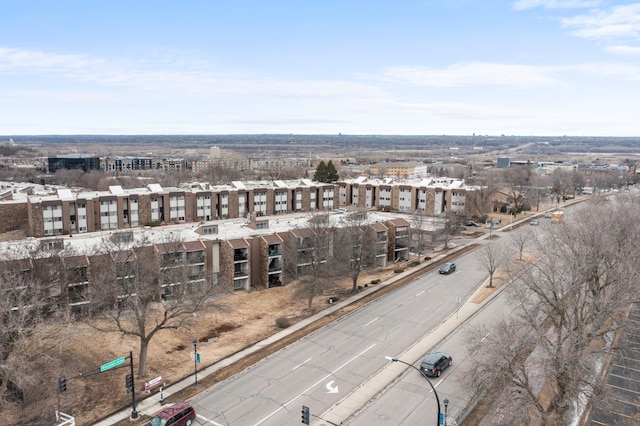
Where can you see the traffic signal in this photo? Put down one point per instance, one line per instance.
(62, 384)
(305, 414)
(128, 382)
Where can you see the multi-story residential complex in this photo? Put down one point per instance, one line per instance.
(63, 211)
(432, 196)
(237, 254)
(89, 162)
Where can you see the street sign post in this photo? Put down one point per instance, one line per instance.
(111, 364)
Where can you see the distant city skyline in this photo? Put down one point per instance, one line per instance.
(430, 67)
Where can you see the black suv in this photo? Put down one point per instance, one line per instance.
(433, 364)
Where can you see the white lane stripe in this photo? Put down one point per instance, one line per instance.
(371, 322)
(208, 421)
(314, 385)
(435, 386)
(422, 292)
(301, 364)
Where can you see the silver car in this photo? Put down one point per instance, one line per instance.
(447, 268)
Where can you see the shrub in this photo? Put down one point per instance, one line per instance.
(398, 269)
(283, 322)
(376, 281)
(414, 263)
(427, 258)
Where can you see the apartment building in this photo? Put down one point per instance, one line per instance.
(239, 255)
(63, 211)
(432, 196)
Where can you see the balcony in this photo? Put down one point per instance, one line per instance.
(275, 265)
(194, 258)
(275, 250)
(240, 255)
(275, 281)
(240, 272)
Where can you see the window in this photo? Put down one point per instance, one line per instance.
(210, 230)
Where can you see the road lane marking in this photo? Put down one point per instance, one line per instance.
(208, 421)
(372, 321)
(422, 292)
(314, 385)
(483, 339)
(331, 388)
(301, 364)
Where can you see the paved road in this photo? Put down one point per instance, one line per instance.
(320, 369)
(410, 400)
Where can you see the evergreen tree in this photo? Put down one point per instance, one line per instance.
(332, 173)
(321, 172)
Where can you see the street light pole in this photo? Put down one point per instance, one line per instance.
(446, 404)
(195, 361)
(392, 359)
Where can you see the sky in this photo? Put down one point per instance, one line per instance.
(386, 67)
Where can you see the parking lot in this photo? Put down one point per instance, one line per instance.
(623, 379)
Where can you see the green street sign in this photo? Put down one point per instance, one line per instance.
(111, 364)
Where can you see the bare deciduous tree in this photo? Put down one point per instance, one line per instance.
(141, 289)
(419, 221)
(32, 307)
(478, 199)
(520, 239)
(358, 243)
(574, 295)
(450, 226)
(309, 255)
(492, 256)
(516, 179)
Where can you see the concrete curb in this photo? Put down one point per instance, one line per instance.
(351, 403)
(151, 404)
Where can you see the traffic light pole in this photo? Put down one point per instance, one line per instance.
(306, 414)
(112, 365)
(134, 413)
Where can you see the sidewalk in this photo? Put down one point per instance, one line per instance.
(151, 404)
(349, 404)
(342, 410)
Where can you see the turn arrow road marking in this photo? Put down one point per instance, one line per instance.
(330, 387)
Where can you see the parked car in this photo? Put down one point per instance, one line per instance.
(447, 268)
(434, 363)
(179, 414)
(547, 215)
(535, 222)
(469, 222)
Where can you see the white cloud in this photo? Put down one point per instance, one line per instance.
(620, 22)
(475, 73)
(165, 78)
(624, 49)
(628, 72)
(554, 4)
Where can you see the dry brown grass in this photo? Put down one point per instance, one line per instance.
(250, 318)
